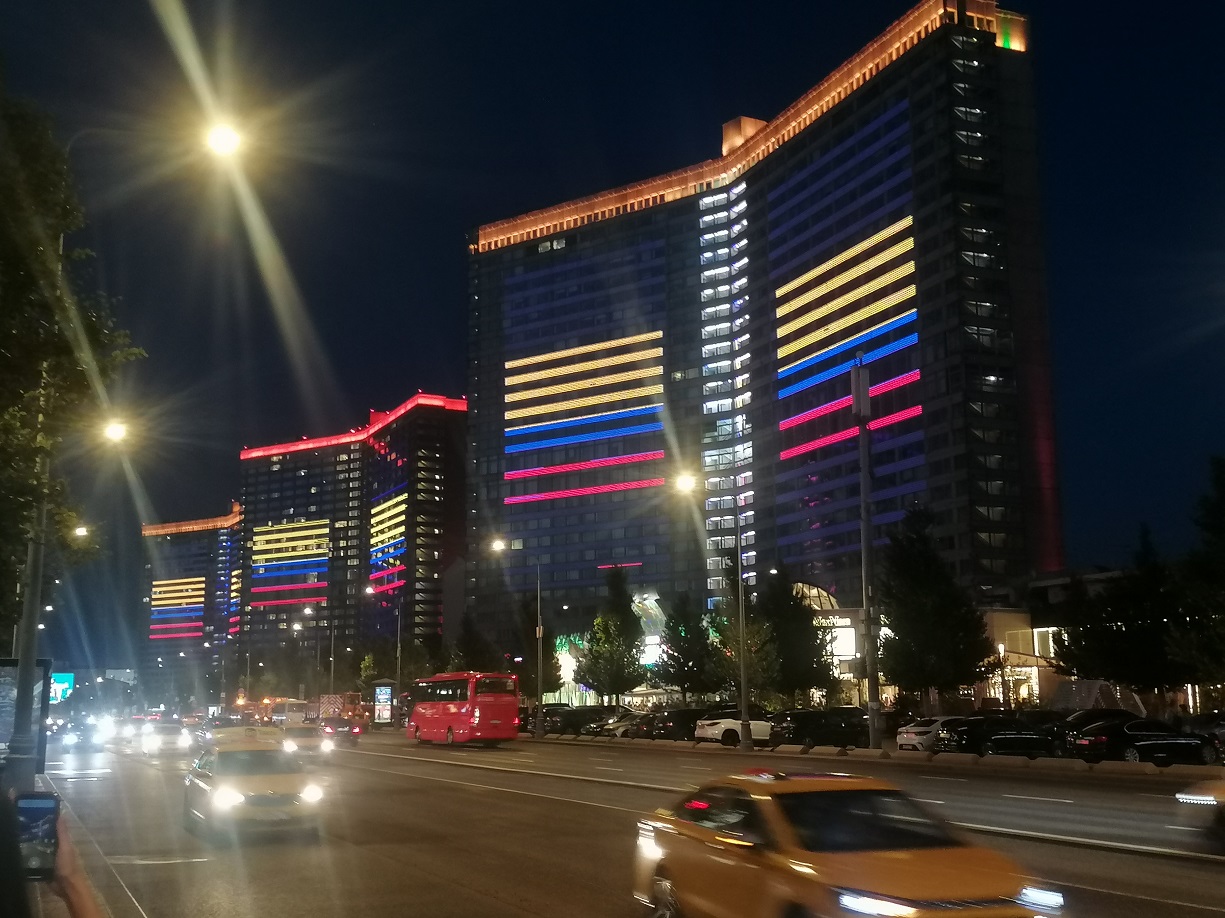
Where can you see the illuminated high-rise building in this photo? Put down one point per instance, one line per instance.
(705, 323)
(348, 537)
(194, 589)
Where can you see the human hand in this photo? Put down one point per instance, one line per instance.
(69, 875)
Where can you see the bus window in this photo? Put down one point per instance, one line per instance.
(495, 685)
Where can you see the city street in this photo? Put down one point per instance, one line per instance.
(548, 829)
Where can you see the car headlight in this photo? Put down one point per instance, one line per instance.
(152, 742)
(184, 740)
(860, 903)
(99, 739)
(327, 745)
(129, 731)
(312, 793)
(289, 746)
(147, 728)
(226, 797)
(71, 739)
(1046, 899)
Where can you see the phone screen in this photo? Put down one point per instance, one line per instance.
(36, 819)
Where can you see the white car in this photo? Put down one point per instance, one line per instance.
(921, 735)
(722, 725)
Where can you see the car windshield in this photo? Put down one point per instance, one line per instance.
(257, 762)
(861, 820)
(298, 732)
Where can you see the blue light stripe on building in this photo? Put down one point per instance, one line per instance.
(841, 368)
(585, 438)
(578, 422)
(849, 343)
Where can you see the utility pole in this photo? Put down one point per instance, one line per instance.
(539, 660)
(862, 411)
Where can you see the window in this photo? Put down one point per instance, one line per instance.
(723, 810)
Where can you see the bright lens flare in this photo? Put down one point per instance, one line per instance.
(115, 431)
(223, 140)
(685, 483)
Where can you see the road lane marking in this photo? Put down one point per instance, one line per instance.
(696, 767)
(1127, 895)
(126, 859)
(1044, 799)
(939, 778)
(1122, 847)
(923, 800)
(505, 790)
(607, 768)
(1184, 828)
(669, 788)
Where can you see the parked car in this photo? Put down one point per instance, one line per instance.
(840, 726)
(1145, 741)
(991, 734)
(1211, 723)
(722, 725)
(619, 726)
(1071, 725)
(676, 724)
(921, 736)
(571, 722)
(552, 716)
(611, 716)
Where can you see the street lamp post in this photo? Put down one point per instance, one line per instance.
(685, 484)
(862, 412)
(538, 732)
(1005, 693)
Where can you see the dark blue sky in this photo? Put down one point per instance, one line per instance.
(384, 131)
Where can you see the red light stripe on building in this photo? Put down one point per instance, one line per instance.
(179, 625)
(289, 586)
(851, 432)
(896, 418)
(383, 588)
(579, 492)
(879, 389)
(388, 572)
(235, 618)
(233, 631)
(580, 466)
(160, 637)
(289, 602)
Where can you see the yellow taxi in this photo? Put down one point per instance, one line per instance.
(820, 846)
(250, 784)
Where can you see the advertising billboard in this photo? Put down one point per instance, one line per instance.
(62, 685)
(39, 711)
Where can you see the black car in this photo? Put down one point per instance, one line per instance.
(1145, 741)
(341, 730)
(611, 715)
(840, 726)
(981, 733)
(676, 724)
(80, 736)
(572, 721)
(1029, 733)
(551, 713)
(1211, 723)
(1071, 726)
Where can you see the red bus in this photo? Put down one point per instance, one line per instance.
(465, 708)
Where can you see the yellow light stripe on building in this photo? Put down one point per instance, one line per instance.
(306, 543)
(281, 555)
(859, 293)
(583, 349)
(847, 276)
(843, 256)
(587, 402)
(395, 505)
(868, 311)
(591, 382)
(389, 532)
(817, 355)
(281, 527)
(282, 538)
(586, 365)
(583, 417)
(179, 580)
(389, 520)
(177, 591)
(158, 599)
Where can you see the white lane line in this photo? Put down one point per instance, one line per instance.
(922, 800)
(1127, 895)
(607, 768)
(601, 758)
(1159, 796)
(1043, 799)
(1122, 847)
(696, 767)
(504, 790)
(137, 859)
(1184, 828)
(939, 778)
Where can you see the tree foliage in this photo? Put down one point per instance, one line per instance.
(802, 647)
(760, 659)
(938, 638)
(609, 662)
(528, 668)
(688, 660)
(51, 337)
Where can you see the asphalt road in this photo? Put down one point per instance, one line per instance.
(546, 829)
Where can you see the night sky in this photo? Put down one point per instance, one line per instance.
(381, 133)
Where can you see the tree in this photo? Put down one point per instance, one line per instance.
(476, 652)
(1197, 633)
(527, 669)
(609, 662)
(760, 662)
(687, 660)
(619, 605)
(52, 339)
(801, 646)
(938, 638)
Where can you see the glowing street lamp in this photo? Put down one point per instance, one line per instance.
(686, 483)
(80, 532)
(223, 140)
(115, 431)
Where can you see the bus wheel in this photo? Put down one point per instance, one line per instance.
(450, 737)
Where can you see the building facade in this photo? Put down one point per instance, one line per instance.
(346, 538)
(194, 600)
(705, 322)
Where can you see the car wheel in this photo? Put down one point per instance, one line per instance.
(987, 749)
(450, 737)
(730, 738)
(1207, 754)
(663, 899)
(1131, 754)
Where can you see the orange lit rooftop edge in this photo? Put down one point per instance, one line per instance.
(216, 522)
(904, 34)
(378, 420)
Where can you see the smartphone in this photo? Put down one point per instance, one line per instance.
(38, 816)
